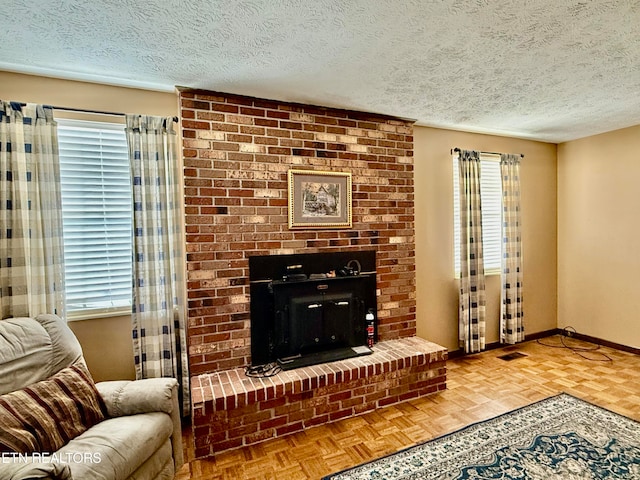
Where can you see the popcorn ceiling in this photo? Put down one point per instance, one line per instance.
(542, 69)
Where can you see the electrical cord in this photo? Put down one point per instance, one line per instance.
(262, 371)
(568, 332)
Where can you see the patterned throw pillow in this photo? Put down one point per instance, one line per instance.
(44, 416)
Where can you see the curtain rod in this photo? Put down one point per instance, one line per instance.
(97, 112)
(84, 110)
(458, 150)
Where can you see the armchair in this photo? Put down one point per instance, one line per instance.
(120, 429)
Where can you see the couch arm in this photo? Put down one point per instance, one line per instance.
(130, 397)
(27, 468)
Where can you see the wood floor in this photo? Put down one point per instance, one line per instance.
(478, 387)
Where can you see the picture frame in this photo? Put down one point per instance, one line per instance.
(319, 199)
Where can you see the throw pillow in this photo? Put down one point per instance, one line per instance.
(44, 416)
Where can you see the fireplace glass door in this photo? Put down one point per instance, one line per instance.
(320, 322)
(318, 317)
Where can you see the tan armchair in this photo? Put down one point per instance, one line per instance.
(139, 437)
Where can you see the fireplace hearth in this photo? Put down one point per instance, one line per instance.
(308, 309)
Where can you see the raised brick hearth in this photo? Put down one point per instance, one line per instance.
(232, 410)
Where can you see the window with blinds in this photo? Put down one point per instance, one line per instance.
(96, 211)
(491, 194)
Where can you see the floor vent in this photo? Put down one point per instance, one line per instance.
(512, 356)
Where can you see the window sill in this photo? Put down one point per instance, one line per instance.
(488, 273)
(98, 313)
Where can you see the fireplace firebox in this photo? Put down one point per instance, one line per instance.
(311, 308)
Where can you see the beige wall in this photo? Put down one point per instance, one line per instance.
(594, 210)
(107, 347)
(106, 342)
(599, 261)
(83, 95)
(437, 289)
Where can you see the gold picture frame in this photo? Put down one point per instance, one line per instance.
(319, 199)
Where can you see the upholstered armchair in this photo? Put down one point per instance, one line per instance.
(56, 423)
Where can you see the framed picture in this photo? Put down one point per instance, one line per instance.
(319, 199)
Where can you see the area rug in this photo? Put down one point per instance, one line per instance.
(559, 438)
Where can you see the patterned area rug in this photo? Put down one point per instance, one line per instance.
(559, 438)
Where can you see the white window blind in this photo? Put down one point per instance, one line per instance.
(96, 211)
(491, 193)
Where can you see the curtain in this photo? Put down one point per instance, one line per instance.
(31, 243)
(511, 313)
(471, 315)
(158, 320)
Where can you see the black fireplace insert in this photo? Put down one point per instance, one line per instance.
(312, 308)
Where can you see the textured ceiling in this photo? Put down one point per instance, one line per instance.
(551, 70)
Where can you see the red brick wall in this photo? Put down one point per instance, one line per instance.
(237, 151)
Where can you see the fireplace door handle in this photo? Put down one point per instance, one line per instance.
(341, 304)
(314, 305)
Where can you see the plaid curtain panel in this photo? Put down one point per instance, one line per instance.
(31, 243)
(159, 331)
(471, 315)
(511, 312)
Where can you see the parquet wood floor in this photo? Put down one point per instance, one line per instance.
(479, 386)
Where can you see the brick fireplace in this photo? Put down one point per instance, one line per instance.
(237, 151)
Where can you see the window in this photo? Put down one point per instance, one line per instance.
(491, 193)
(96, 213)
